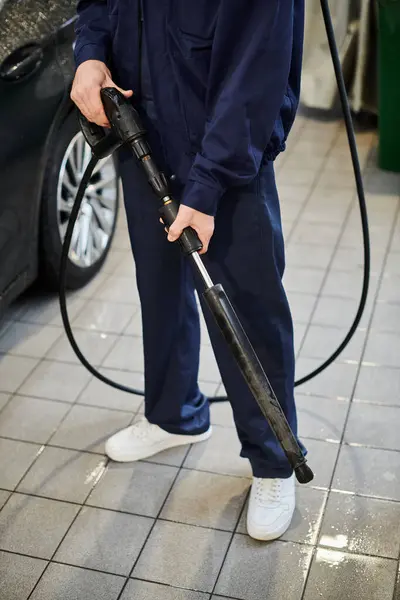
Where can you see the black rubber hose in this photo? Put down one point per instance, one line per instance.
(364, 225)
(63, 280)
(360, 192)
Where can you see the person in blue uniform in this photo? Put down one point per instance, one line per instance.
(217, 83)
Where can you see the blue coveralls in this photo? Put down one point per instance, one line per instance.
(218, 91)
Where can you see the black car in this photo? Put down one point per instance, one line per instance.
(43, 154)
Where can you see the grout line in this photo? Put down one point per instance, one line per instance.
(374, 303)
(324, 279)
(234, 532)
(328, 271)
(68, 529)
(157, 518)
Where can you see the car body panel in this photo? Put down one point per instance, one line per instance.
(31, 107)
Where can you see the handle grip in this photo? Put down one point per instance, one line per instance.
(189, 239)
(102, 144)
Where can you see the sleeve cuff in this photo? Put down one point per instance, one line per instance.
(201, 197)
(90, 52)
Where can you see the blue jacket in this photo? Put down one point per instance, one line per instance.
(225, 76)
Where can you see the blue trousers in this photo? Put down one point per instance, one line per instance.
(246, 255)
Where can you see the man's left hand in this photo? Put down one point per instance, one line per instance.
(189, 217)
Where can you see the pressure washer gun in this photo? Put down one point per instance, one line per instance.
(127, 129)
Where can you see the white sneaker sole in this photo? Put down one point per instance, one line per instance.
(257, 532)
(172, 441)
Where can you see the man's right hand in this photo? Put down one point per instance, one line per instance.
(91, 76)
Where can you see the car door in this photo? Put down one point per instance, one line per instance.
(31, 88)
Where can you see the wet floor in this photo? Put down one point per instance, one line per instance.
(75, 527)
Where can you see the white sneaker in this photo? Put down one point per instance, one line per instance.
(143, 439)
(271, 507)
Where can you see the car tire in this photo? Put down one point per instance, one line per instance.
(53, 217)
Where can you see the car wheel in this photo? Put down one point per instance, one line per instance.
(97, 219)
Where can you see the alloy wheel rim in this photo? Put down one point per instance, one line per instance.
(96, 218)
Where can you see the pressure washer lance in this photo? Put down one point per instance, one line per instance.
(127, 129)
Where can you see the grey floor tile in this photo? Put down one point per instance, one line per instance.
(301, 306)
(104, 317)
(372, 425)
(98, 393)
(397, 590)
(61, 582)
(221, 414)
(304, 255)
(330, 179)
(127, 354)
(387, 317)
(352, 259)
(206, 499)
(139, 488)
(362, 525)
(18, 575)
(31, 419)
(120, 290)
(307, 517)
(383, 349)
(94, 345)
(49, 379)
(27, 339)
(220, 454)
(317, 234)
(14, 370)
(290, 211)
(337, 575)
(63, 475)
(392, 266)
(104, 540)
(135, 325)
(345, 284)
(330, 197)
(4, 496)
(298, 176)
(304, 280)
(389, 289)
(87, 428)
(335, 382)
(378, 384)
(43, 310)
(209, 388)
(321, 458)
(321, 341)
(369, 472)
(254, 570)
(127, 267)
(90, 289)
(183, 556)
(34, 526)
(173, 457)
(299, 334)
(338, 312)
(208, 370)
(144, 590)
(327, 214)
(19, 457)
(4, 398)
(321, 418)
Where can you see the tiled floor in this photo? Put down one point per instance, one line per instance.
(75, 527)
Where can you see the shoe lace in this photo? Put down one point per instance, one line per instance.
(268, 491)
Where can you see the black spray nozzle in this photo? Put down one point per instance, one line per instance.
(125, 121)
(126, 127)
